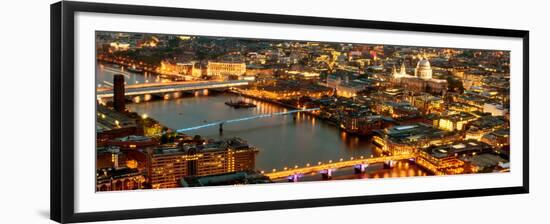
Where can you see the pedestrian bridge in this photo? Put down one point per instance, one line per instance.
(221, 123)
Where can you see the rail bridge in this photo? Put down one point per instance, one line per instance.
(163, 88)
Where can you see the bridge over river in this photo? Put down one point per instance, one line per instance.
(326, 169)
(221, 123)
(163, 88)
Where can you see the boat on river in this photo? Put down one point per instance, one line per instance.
(239, 104)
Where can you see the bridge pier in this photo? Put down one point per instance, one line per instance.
(326, 174)
(136, 99)
(221, 128)
(360, 168)
(147, 97)
(389, 164)
(293, 178)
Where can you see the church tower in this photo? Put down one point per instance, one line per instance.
(403, 70)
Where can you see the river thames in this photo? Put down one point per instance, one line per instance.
(282, 141)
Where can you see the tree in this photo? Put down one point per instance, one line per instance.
(164, 138)
(455, 85)
(197, 139)
(174, 43)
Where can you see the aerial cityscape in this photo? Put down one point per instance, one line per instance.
(192, 111)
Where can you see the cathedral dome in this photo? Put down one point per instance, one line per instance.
(423, 69)
(424, 63)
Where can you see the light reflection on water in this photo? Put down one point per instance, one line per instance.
(105, 73)
(375, 171)
(282, 140)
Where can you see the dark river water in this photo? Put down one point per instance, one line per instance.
(282, 140)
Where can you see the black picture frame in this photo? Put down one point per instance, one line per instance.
(63, 115)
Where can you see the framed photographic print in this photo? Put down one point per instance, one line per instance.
(160, 111)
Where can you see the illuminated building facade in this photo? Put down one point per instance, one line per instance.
(343, 86)
(396, 110)
(259, 71)
(427, 103)
(108, 157)
(224, 69)
(408, 139)
(301, 72)
(119, 179)
(180, 68)
(118, 46)
(421, 81)
(363, 125)
(452, 158)
(455, 122)
(166, 166)
(462, 107)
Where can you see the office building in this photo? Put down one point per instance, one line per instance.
(167, 166)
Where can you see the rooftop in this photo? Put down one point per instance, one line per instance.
(486, 160)
(108, 173)
(133, 138)
(108, 119)
(457, 148)
(232, 143)
(461, 116)
(247, 177)
(413, 133)
(487, 122)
